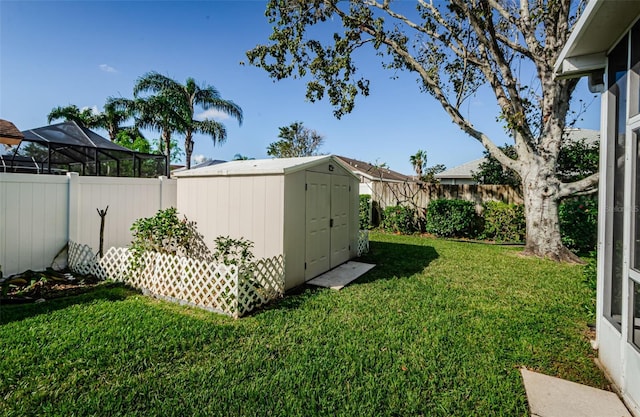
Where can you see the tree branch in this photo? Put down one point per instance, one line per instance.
(453, 112)
(587, 184)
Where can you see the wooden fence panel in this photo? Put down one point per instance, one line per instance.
(419, 195)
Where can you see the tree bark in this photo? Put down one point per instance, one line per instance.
(541, 191)
(188, 149)
(166, 138)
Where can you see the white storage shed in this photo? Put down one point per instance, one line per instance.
(305, 208)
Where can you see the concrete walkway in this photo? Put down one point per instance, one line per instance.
(555, 397)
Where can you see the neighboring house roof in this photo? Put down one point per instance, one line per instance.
(9, 133)
(261, 166)
(374, 173)
(466, 170)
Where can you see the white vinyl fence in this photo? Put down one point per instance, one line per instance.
(209, 285)
(39, 214)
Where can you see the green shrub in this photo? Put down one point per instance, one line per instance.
(452, 218)
(579, 223)
(166, 233)
(504, 222)
(234, 251)
(400, 219)
(365, 211)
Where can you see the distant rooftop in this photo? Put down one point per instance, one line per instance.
(467, 169)
(375, 173)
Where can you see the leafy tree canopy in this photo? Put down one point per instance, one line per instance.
(430, 172)
(454, 47)
(295, 140)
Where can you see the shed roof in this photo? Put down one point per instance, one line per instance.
(261, 167)
(599, 27)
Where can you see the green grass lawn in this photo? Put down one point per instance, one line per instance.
(437, 328)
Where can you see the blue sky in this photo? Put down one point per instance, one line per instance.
(56, 53)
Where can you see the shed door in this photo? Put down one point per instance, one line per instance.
(339, 220)
(318, 235)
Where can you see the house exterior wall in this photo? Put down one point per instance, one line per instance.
(39, 214)
(618, 295)
(365, 188)
(250, 207)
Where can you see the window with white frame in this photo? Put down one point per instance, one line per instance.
(617, 86)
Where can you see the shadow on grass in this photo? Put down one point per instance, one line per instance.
(106, 292)
(393, 261)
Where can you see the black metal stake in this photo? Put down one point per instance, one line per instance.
(102, 214)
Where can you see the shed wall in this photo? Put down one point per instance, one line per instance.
(294, 228)
(249, 207)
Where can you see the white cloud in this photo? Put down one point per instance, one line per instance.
(198, 159)
(212, 114)
(107, 68)
(94, 109)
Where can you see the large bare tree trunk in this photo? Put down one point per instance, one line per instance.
(541, 191)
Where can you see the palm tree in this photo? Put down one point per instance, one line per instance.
(114, 114)
(184, 99)
(419, 162)
(158, 113)
(72, 113)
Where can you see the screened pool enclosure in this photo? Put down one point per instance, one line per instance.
(70, 147)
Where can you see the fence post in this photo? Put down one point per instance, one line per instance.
(164, 193)
(73, 218)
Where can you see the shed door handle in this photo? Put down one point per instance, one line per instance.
(331, 223)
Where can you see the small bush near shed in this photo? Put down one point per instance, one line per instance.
(504, 222)
(452, 218)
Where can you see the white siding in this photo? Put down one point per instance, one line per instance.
(294, 228)
(249, 207)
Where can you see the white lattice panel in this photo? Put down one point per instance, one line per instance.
(263, 284)
(363, 242)
(204, 284)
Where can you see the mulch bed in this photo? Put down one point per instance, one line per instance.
(36, 286)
